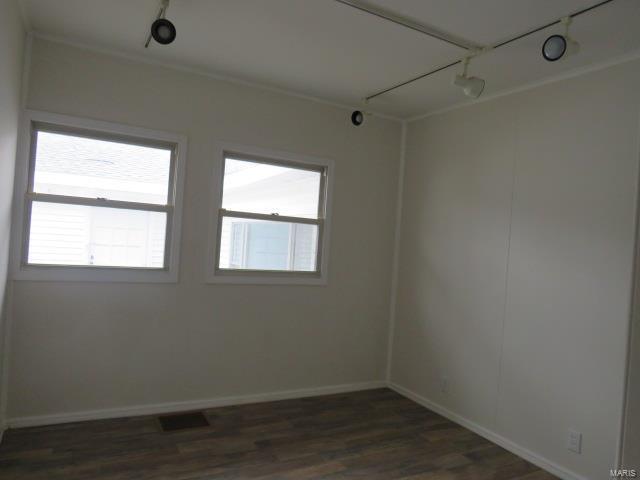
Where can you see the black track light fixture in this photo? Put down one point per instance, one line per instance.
(162, 30)
(357, 118)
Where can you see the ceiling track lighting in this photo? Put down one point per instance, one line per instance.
(162, 30)
(554, 48)
(471, 86)
(557, 46)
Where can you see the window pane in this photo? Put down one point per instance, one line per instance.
(64, 234)
(262, 188)
(265, 245)
(86, 167)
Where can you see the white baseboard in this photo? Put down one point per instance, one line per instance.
(154, 409)
(505, 443)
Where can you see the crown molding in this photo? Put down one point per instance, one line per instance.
(204, 72)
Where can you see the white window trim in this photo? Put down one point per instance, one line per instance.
(252, 277)
(21, 271)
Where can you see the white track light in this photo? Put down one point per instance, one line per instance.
(557, 46)
(471, 86)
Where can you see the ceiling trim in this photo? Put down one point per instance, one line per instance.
(390, 16)
(205, 73)
(26, 71)
(576, 72)
(26, 21)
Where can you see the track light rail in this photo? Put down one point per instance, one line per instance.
(498, 45)
(385, 15)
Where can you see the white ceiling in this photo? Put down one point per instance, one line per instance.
(330, 51)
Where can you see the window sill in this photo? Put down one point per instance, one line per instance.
(94, 274)
(267, 278)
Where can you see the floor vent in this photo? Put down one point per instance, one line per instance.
(182, 421)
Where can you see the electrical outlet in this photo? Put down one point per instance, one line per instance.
(444, 385)
(574, 441)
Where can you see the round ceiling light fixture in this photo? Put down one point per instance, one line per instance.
(557, 46)
(471, 86)
(554, 48)
(357, 118)
(163, 31)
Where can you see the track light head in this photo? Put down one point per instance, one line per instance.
(558, 46)
(357, 118)
(471, 86)
(163, 31)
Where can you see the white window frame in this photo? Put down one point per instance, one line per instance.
(265, 277)
(24, 196)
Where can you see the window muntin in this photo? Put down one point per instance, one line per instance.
(272, 216)
(98, 200)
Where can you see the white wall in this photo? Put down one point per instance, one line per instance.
(78, 347)
(516, 260)
(11, 55)
(514, 275)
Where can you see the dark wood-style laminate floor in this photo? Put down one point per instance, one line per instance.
(376, 434)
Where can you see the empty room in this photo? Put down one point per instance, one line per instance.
(319, 239)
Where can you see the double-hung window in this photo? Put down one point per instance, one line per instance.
(272, 218)
(100, 202)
